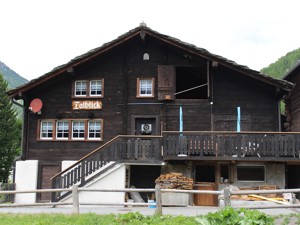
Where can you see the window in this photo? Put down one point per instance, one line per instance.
(225, 173)
(78, 130)
(95, 130)
(88, 88)
(191, 83)
(251, 173)
(96, 88)
(145, 87)
(71, 130)
(46, 130)
(62, 129)
(80, 88)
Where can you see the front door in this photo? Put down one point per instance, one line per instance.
(47, 171)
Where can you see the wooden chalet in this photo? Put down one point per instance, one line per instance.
(147, 104)
(292, 123)
(292, 102)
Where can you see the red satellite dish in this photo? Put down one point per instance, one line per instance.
(36, 105)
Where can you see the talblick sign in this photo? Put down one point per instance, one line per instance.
(86, 105)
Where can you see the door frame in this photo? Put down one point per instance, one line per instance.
(40, 175)
(201, 185)
(157, 122)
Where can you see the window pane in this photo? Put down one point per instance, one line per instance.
(251, 173)
(62, 129)
(46, 129)
(96, 87)
(80, 88)
(94, 130)
(78, 129)
(146, 87)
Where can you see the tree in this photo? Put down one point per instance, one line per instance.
(10, 133)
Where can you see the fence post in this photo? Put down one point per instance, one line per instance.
(75, 199)
(227, 196)
(158, 210)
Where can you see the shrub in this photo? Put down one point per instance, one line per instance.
(228, 215)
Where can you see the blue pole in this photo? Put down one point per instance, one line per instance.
(180, 120)
(238, 125)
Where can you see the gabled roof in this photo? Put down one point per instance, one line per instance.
(284, 85)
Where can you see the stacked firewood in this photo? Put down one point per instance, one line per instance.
(175, 181)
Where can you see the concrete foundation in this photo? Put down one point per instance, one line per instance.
(175, 199)
(26, 177)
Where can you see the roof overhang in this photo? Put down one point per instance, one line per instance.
(281, 84)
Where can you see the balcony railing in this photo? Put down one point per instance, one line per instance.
(273, 146)
(217, 145)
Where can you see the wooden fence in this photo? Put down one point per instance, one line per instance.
(225, 195)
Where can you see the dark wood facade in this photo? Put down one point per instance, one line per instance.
(293, 100)
(207, 87)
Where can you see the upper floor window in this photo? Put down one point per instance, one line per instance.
(80, 88)
(88, 88)
(46, 130)
(145, 87)
(96, 88)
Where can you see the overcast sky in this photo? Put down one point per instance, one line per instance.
(38, 35)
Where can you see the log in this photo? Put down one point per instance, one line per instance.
(270, 199)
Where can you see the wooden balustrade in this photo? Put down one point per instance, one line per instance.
(273, 146)
(121, 148)
(231, 144)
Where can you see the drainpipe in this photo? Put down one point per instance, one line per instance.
(23, 127)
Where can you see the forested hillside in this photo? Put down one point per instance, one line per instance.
(13, 79)
(283, 64)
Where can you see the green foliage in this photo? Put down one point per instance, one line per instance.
(135, 218)
(10, 133)
(279, 68)
(229, 215)
(132, 218)
(13, 80)
(226, 216)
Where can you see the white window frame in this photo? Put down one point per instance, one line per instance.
(141, 86)
(81, 89)
(46, 132)
(78, 138)
(95, 132)
(63, 132)
(101, 88)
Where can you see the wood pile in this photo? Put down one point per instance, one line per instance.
(175, 181)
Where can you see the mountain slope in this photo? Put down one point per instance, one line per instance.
(13, 79)
(283, 64)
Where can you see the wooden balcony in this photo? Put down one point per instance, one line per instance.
(221, 146)
(238, 146)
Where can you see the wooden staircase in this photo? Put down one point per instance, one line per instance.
(122, 148)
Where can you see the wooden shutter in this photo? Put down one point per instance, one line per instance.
(166, 82)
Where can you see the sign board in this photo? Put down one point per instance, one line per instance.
(86, 105)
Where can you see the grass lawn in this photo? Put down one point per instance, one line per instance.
(93, 219)
(227, 216)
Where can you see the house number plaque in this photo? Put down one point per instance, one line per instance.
(86, 105)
